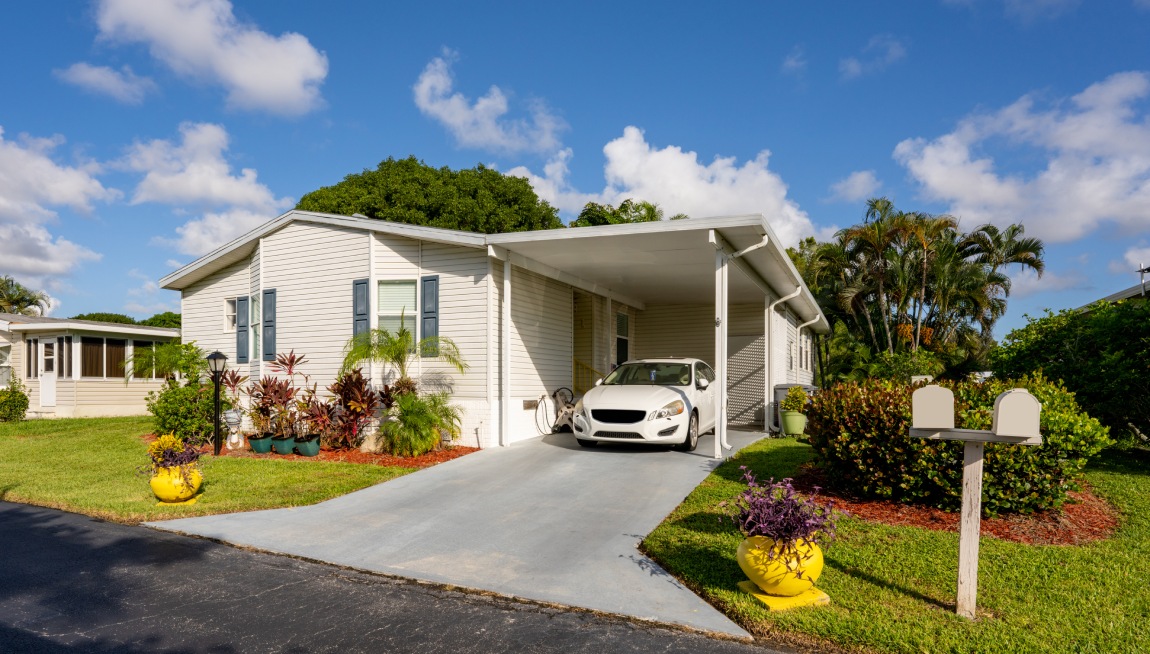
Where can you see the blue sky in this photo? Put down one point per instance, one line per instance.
(137, 134)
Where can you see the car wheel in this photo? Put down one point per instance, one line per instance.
(691, 441)
(586, 443)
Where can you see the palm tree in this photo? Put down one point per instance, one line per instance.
(871, 244)
(998, 248)
(399, 350)
(927, 233)
(17, 298)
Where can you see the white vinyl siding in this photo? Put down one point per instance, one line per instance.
(462, 313)
(254, 361)
(311, 268)
(541, 334)
(201, 305)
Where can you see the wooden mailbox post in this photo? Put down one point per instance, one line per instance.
(1015, 421)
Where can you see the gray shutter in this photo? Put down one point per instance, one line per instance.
(269, 325)
(243, 329)
(429, 312)
(361, 322)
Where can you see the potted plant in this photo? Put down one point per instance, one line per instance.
(794, 421)
(261, 412)
(317, 419)
(175, 470)
(784, 535)
(284, 416)
(355, 407)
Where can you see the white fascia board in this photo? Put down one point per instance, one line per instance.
(654, 227)
(180, 278)
(125, 330)
(561, 276)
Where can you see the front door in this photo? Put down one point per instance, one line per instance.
(48, 366)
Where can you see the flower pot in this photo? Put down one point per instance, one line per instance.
(307, 445)
(261, 443)
(794, 423)
(283, 444)
(171, 487)
(785, 575)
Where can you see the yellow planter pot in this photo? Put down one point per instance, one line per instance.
(781, 575)
(169, 487)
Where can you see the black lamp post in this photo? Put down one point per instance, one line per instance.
(217, 361)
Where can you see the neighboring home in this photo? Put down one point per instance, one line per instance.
(1137, 291)
(75, 368)
(530, 311)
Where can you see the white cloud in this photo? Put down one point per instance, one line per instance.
(203, 40)
(1142, 4)
(795, 63)
(881, 51)
(679, 183)
(31, 184)
(1096, 171)
(1030, 10)
(1026, 282)
(213, 229)
(483, 123)
(1135, 258)
(172, 263)
(31, 253)
(122, 85)
(859, 185)
(196, 172)
(146, 299)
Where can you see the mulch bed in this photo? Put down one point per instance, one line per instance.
(1084, 518)
(351, 456)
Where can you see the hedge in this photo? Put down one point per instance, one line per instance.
(860, 433)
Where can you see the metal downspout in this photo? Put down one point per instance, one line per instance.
(772, 423)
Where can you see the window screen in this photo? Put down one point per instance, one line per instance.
(115, 349)
(137, 347)
(91, 357)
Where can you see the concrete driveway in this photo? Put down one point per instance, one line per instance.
(543, 520)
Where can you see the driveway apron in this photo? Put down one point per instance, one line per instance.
(543, 520)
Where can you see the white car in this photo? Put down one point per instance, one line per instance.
(661, 401)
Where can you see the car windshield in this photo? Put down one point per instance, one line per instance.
(650, 374)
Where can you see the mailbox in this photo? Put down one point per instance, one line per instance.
(932, 407)
(1016, 414)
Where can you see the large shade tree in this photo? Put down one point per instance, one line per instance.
(477, 199)
(17, 298)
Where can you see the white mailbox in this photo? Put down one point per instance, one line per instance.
(1015, 421)
(1016, 414)
(932, 407)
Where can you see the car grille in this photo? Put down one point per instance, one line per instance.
(618, 415)
(618, 434)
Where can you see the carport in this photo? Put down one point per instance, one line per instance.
(668, 263)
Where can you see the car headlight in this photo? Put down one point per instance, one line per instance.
(672, 409)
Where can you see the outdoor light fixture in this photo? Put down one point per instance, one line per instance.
(217, 361)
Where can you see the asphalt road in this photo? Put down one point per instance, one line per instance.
(69, 583)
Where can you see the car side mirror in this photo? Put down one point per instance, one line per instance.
(598, 381)
(702, 384)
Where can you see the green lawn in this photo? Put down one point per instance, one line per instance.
(892, 588)
(88, 465)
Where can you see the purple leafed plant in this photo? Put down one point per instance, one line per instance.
(775, 511)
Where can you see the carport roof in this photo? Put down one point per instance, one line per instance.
(664, 262)
(669, 262)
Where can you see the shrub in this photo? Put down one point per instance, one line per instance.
(356, 404)
(860, 433)
(901, 366)
(794, 400)
(13, 401)
(420, 424)
(185, 410)
(1102, 355)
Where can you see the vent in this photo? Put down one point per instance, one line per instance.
(618, 434)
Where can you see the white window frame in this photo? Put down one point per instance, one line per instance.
(411, 318)
(230, 320)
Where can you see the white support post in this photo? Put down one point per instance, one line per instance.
(720, 352)
(505, 376)
(969, 528)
